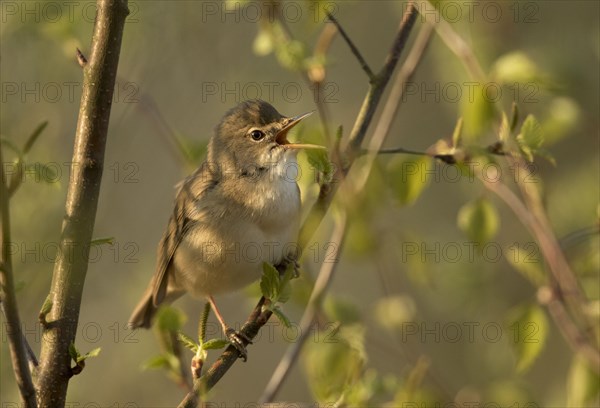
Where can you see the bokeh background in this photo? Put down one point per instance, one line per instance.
(436, 321)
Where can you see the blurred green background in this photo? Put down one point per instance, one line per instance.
(422, 314)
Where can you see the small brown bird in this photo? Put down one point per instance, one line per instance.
(240, 208)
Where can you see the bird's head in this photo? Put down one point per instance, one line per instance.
(253, 135)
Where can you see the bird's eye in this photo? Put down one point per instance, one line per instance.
(257, 135)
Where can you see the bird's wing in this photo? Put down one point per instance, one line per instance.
(192, 189)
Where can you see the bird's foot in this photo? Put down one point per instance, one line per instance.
(237, 339)
(285, 264)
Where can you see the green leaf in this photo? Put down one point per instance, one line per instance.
(341, 310)
(479, 220)
(215, 344)
(531, 133)
(281, 316)
(394, 312)
(456, 135)
(187, 341)
(516, 67)
(169, 319)
(319, 160)
(529, 327)
(410, 178)
(93, 353)
(290, 54)
(73, 352)
(360, 239)
(334, 362)
(46, 307)
(263, 43)
(157, 362)
(285, 289)
(562, 117)
(583, 384)
(8, 143)
(504, 131)
(545, 154)
(478, 110)
(34, 136)
(102, 241)
(531, 138)
(269, 282)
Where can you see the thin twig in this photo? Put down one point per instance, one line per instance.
(363, 63)
(559, 269)
(81, 59)
(367, 111)
(361, 125)
(18, 351)
(315, 302)
(394, 101)
(453, 41)
(314, 82)
(570, 331)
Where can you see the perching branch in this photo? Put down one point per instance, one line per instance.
(315, 302)
(70, 269)
(16, 340)
(257, 319)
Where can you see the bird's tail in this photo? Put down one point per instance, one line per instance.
(144, 312)
(146, 309)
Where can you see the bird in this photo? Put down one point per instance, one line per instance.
(240, 208)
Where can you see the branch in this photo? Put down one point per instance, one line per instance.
(353, 48)
(559, 267)
(315, 302)
(376, 89)
(311, 77)
(257, 319)
(82, 199)
(452, 40)
(361, 125)
(16, 343)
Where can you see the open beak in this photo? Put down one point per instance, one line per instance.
(281, 137)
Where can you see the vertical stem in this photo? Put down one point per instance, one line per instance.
(18, 353)
(82, 198)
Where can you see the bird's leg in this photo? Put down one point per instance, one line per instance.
(289, 259)
(236, 338)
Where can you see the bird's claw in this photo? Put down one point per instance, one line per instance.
(236, 339)
(287, 261)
